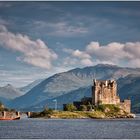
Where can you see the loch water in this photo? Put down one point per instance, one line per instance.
(71, 129)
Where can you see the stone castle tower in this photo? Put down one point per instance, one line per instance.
(105, 92)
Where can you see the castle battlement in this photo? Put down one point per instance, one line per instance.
(106, 83)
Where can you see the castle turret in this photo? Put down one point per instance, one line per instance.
(94, 82)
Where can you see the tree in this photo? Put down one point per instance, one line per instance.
(70, 107)
(1, 106)
(101, 107)
(89, 106)
(47, 111)
(83, 108)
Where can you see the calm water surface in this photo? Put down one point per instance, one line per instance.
(71, 128)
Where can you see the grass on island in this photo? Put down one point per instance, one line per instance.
(102, 111)
(70, 114)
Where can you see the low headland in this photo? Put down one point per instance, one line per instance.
(107, 111)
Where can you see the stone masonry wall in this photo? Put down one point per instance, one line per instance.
(105, 92)
(126, 106)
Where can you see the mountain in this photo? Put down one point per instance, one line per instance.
(25, 89)
(63, 84)
(8, 92)
(128, 87)
(71, 96)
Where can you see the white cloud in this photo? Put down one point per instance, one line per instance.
(114, 52)
(132, 49)
(92, 46)
(80, 54)
(127, 54)
(77, 57)
(32, 52)
(87, 62)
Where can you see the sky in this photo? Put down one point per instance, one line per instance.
(39, 39)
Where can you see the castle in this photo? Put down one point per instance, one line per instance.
(105, 92)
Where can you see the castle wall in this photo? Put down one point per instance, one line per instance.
(105, 92)
(126, 106)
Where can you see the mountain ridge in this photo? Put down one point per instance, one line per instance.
(66, 82)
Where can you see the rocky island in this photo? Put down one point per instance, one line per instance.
(104, 103)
